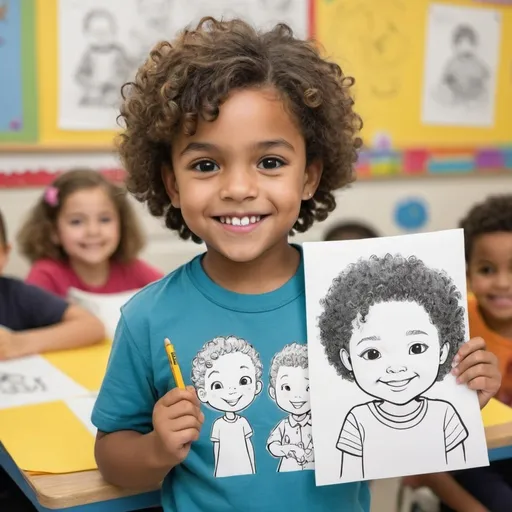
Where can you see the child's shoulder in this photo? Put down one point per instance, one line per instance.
(164, 291)
(47, 265)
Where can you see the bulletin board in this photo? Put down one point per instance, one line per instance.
(386, 45)
(383, 45)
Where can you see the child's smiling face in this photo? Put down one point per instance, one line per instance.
(230, 385)
(395, 354)
(292, 390)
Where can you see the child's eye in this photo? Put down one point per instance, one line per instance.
(75, 222)
(216, 385)
(270, 163)
(206, 166)
(285, 387)
(106, 220)
(371, 354)
(485, 270)
(245, 381)
(418, 348)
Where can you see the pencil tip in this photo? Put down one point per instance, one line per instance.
(167, 341)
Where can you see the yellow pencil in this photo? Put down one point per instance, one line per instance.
(175, 367)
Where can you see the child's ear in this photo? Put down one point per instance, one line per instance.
(445, 350)
(272, 392)
(312, 179)
(259, 387)
(345, 359)
(201, 394)
(171, 187)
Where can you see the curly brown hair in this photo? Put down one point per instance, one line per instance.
(3, 231)
(35, 237)
(194, 75)
(490, 216)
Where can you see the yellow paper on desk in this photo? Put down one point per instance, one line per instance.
(84, 365)
(496, 413)
(47, 438)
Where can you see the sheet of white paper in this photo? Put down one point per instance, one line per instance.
(101, 45)
(32, 380)
(82, 408)
(107, 307)
(461, 64)
(394, 419)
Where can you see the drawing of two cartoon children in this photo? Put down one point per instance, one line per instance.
(227, 374)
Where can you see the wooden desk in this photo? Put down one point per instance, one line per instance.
(88, 492)
(77, 492)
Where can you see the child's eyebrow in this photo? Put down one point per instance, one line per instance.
(368, 338)
(212, 372)
(242, 367)
(414, 332)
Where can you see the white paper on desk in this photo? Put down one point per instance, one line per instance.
(32, 380)
(105, 306)
(461, 65)
(385, 317)
(82, 406)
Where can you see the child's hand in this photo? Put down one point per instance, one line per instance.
(10, 347)
(177, 421)
(478, 368)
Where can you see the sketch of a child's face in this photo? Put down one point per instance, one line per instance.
(395, 354)
(292, 390)
(230, 385)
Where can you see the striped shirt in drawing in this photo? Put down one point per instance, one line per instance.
(374, 436)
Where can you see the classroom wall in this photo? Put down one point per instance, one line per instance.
(447, 199)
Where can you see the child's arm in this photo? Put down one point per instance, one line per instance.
(133, 460)
(77, 328)
(450, 492)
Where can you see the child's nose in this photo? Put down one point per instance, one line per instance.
(239, 184)
(396, 369)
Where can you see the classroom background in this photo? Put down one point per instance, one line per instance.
(430, 151)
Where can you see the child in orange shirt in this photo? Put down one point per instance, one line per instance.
(488, 238)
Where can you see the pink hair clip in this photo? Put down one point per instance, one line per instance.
(51, 196)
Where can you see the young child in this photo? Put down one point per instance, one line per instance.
(488, 239)
(83, 233)
(227, 375)
(419, 325)
(237, 138)
(34, 321)
(291, 441)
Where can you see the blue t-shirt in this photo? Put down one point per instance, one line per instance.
(252, 455)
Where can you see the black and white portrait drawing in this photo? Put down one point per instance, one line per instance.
(227, 373)
(461, 65)
(291, 441)
(105, 64)
(32, 380)
(382, 334)
(102, 45)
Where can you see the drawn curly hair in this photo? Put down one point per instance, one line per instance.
(385, 279)
(293, 355)
(190, 79)
(35, 238)
(218, 347)
(490, 216)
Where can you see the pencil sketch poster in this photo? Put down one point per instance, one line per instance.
(461, 66)
(385, 319)
(102, 44)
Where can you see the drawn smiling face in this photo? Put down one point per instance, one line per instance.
(395, 354)
(230, 384)
(292, 390)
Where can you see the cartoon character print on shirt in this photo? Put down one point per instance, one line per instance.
(291, 441)
(226, 373)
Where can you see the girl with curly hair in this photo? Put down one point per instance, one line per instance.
(237, 138)
(83, 234)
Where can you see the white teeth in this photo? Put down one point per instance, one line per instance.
(240, 221)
